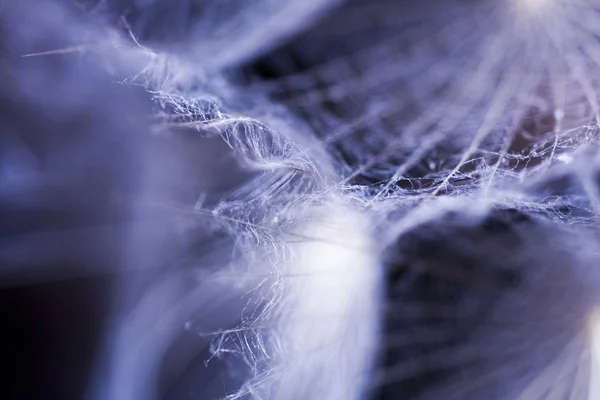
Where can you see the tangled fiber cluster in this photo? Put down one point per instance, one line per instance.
(319, 199)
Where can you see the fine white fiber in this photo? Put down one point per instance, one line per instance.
(297, 200)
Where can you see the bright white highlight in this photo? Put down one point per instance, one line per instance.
(328, 331)
(565, 158)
